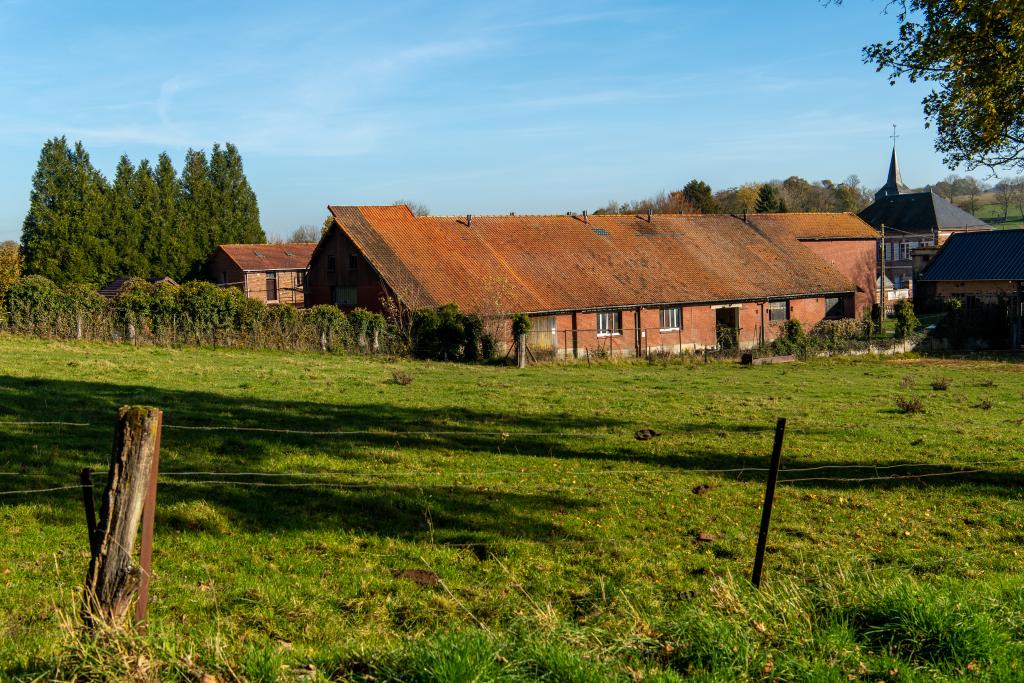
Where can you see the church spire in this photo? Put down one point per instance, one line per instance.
(894, 183)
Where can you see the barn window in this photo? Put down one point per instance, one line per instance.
(833, 307)
(778, 311)
(353, 261)
(271, 286)
(298, 279)
(670, 318)
(609, 323)
(331, 263)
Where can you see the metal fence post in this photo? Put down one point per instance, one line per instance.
(769, 498)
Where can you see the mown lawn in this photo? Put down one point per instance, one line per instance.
(547, 541)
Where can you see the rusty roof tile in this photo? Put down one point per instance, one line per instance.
(250, 257)
(818, 226)
(560, 263)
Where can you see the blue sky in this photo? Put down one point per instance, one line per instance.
(472, 107)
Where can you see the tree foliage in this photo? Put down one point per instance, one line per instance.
(973, 52)
(768, 200)
(698, 194)
(148, 223)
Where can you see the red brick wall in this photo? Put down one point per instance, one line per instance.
(363, 279)
(857, 260)
(222, 270)
(289, 287)
(579, 330)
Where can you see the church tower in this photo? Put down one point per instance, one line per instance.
(894, 183)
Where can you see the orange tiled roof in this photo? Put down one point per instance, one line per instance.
(292, 256)
(817, 226)
(560, 263)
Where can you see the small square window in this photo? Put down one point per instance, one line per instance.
(332, 262)
(778, 311)
(670, 318)
(353, 261)
(609, 323)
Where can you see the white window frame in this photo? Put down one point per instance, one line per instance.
(785, 307)
(609, 330)
(673, 312)
(272, 275)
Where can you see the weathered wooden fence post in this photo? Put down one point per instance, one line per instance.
(769, 498)
(113, 580)
(521, 351)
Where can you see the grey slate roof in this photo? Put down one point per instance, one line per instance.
(995, 255)
(894, 183)
(919, 212)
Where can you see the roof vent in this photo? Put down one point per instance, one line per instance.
(289, 253)
(258, 253)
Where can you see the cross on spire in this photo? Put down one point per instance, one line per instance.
(894, 136)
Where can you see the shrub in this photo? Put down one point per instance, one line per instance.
(521, 324)
(32, 304)
(366, 327)
(327, 323)
(941, 384)
(445, 333)
(906, 320)
(839, 335)
(401, 378)
(909, 404)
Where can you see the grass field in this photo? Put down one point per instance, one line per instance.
(485, 523)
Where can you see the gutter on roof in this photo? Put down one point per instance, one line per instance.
(838, 239)
(709, 302)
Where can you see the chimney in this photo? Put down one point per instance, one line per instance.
(469, 220)
(650, 215)
(744, 215)
(586, 218)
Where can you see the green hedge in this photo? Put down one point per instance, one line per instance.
(196, 313)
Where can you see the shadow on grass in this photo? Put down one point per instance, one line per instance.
(53, 456)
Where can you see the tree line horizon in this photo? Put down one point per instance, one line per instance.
(152, 221)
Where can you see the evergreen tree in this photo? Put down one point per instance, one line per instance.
(768, 200)
(195, 209)
(124, 224)
(235, 209)
(61, 234)
(145, 192)
(698, 194)
(168, 249)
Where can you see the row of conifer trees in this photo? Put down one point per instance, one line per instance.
(148, 222)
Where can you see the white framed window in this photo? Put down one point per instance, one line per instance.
(670, 318)
(609, 323)
(778, 311)
(272, 286)
(888, 251)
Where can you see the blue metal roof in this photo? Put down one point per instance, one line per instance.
(995, 255)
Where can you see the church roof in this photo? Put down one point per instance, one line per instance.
(920, 212)
(894, 183)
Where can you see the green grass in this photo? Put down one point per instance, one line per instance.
(565, 554)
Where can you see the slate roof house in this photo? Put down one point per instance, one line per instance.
(913, 220)
(981, 269)
(980, 266)
(622, 283)
(274, 273)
